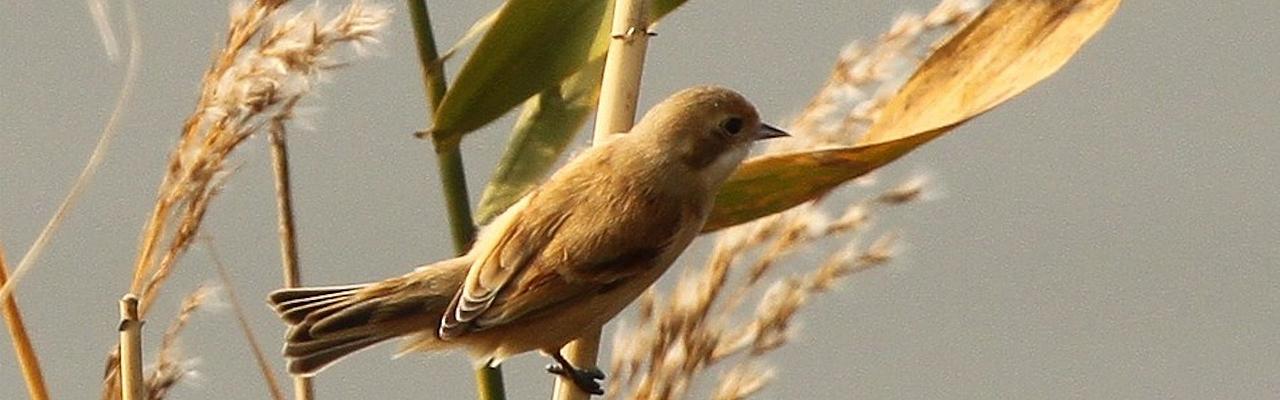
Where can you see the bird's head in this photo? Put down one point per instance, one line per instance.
(707, 128)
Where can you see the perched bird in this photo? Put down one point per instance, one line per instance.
(562, 261)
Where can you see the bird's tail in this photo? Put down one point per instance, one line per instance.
(328, 323)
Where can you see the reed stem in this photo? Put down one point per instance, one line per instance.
(489, 385)
(22, 349)
(131, 385)
(619, 90)
(302, 388)
(623, 68)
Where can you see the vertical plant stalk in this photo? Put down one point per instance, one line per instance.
(242, 320)
(619, 90)
(22, 349)
(131, 386)
(623, 69)
(284, 206)
(489, 385)
(454, 183)
(302, 388)
(448, 155)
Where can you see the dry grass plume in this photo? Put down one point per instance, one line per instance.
(268, 64)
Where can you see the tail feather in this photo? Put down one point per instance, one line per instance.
(302, 308)
(296, 310)
(405, 307)
(328, 323)
(346, 316)
(282, 296)
(311, 358)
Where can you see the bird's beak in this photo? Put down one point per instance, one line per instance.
(769, 132)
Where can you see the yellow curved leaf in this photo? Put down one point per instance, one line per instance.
(774, 183)
(1011, 46)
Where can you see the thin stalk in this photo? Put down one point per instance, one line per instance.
(619, 89)
(623, 69)
(428, 56)
(284, 206)
(453, 176)
(259, 356)
(131, 386)
(454, 180)
(22, 349)
(302, 389)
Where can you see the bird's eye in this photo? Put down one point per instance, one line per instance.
(732, 125)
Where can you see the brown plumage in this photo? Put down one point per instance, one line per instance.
(564, 259)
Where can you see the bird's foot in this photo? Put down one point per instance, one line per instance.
(588, 380)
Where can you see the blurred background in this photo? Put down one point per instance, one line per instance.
(1111, 233)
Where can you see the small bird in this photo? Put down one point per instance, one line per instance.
(562, 261)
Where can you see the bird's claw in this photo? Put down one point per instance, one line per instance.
(555, 369)
(585, 379)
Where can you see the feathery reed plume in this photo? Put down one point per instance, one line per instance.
(170, 368)
(247, 86)
(865, 77)
(742, 381)
(689, 333)
(672, 341)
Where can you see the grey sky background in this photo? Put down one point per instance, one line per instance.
(1112, 233)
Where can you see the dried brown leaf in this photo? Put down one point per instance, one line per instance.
(1013, 45)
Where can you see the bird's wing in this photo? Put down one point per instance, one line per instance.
(515, 239)
(543, 287)
(553, 252)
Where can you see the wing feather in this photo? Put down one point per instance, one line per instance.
(521, 237)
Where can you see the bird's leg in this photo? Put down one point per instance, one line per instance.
(585, 379)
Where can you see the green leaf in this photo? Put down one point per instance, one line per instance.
(547, 124)
(532, 45)
(1012, 46)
